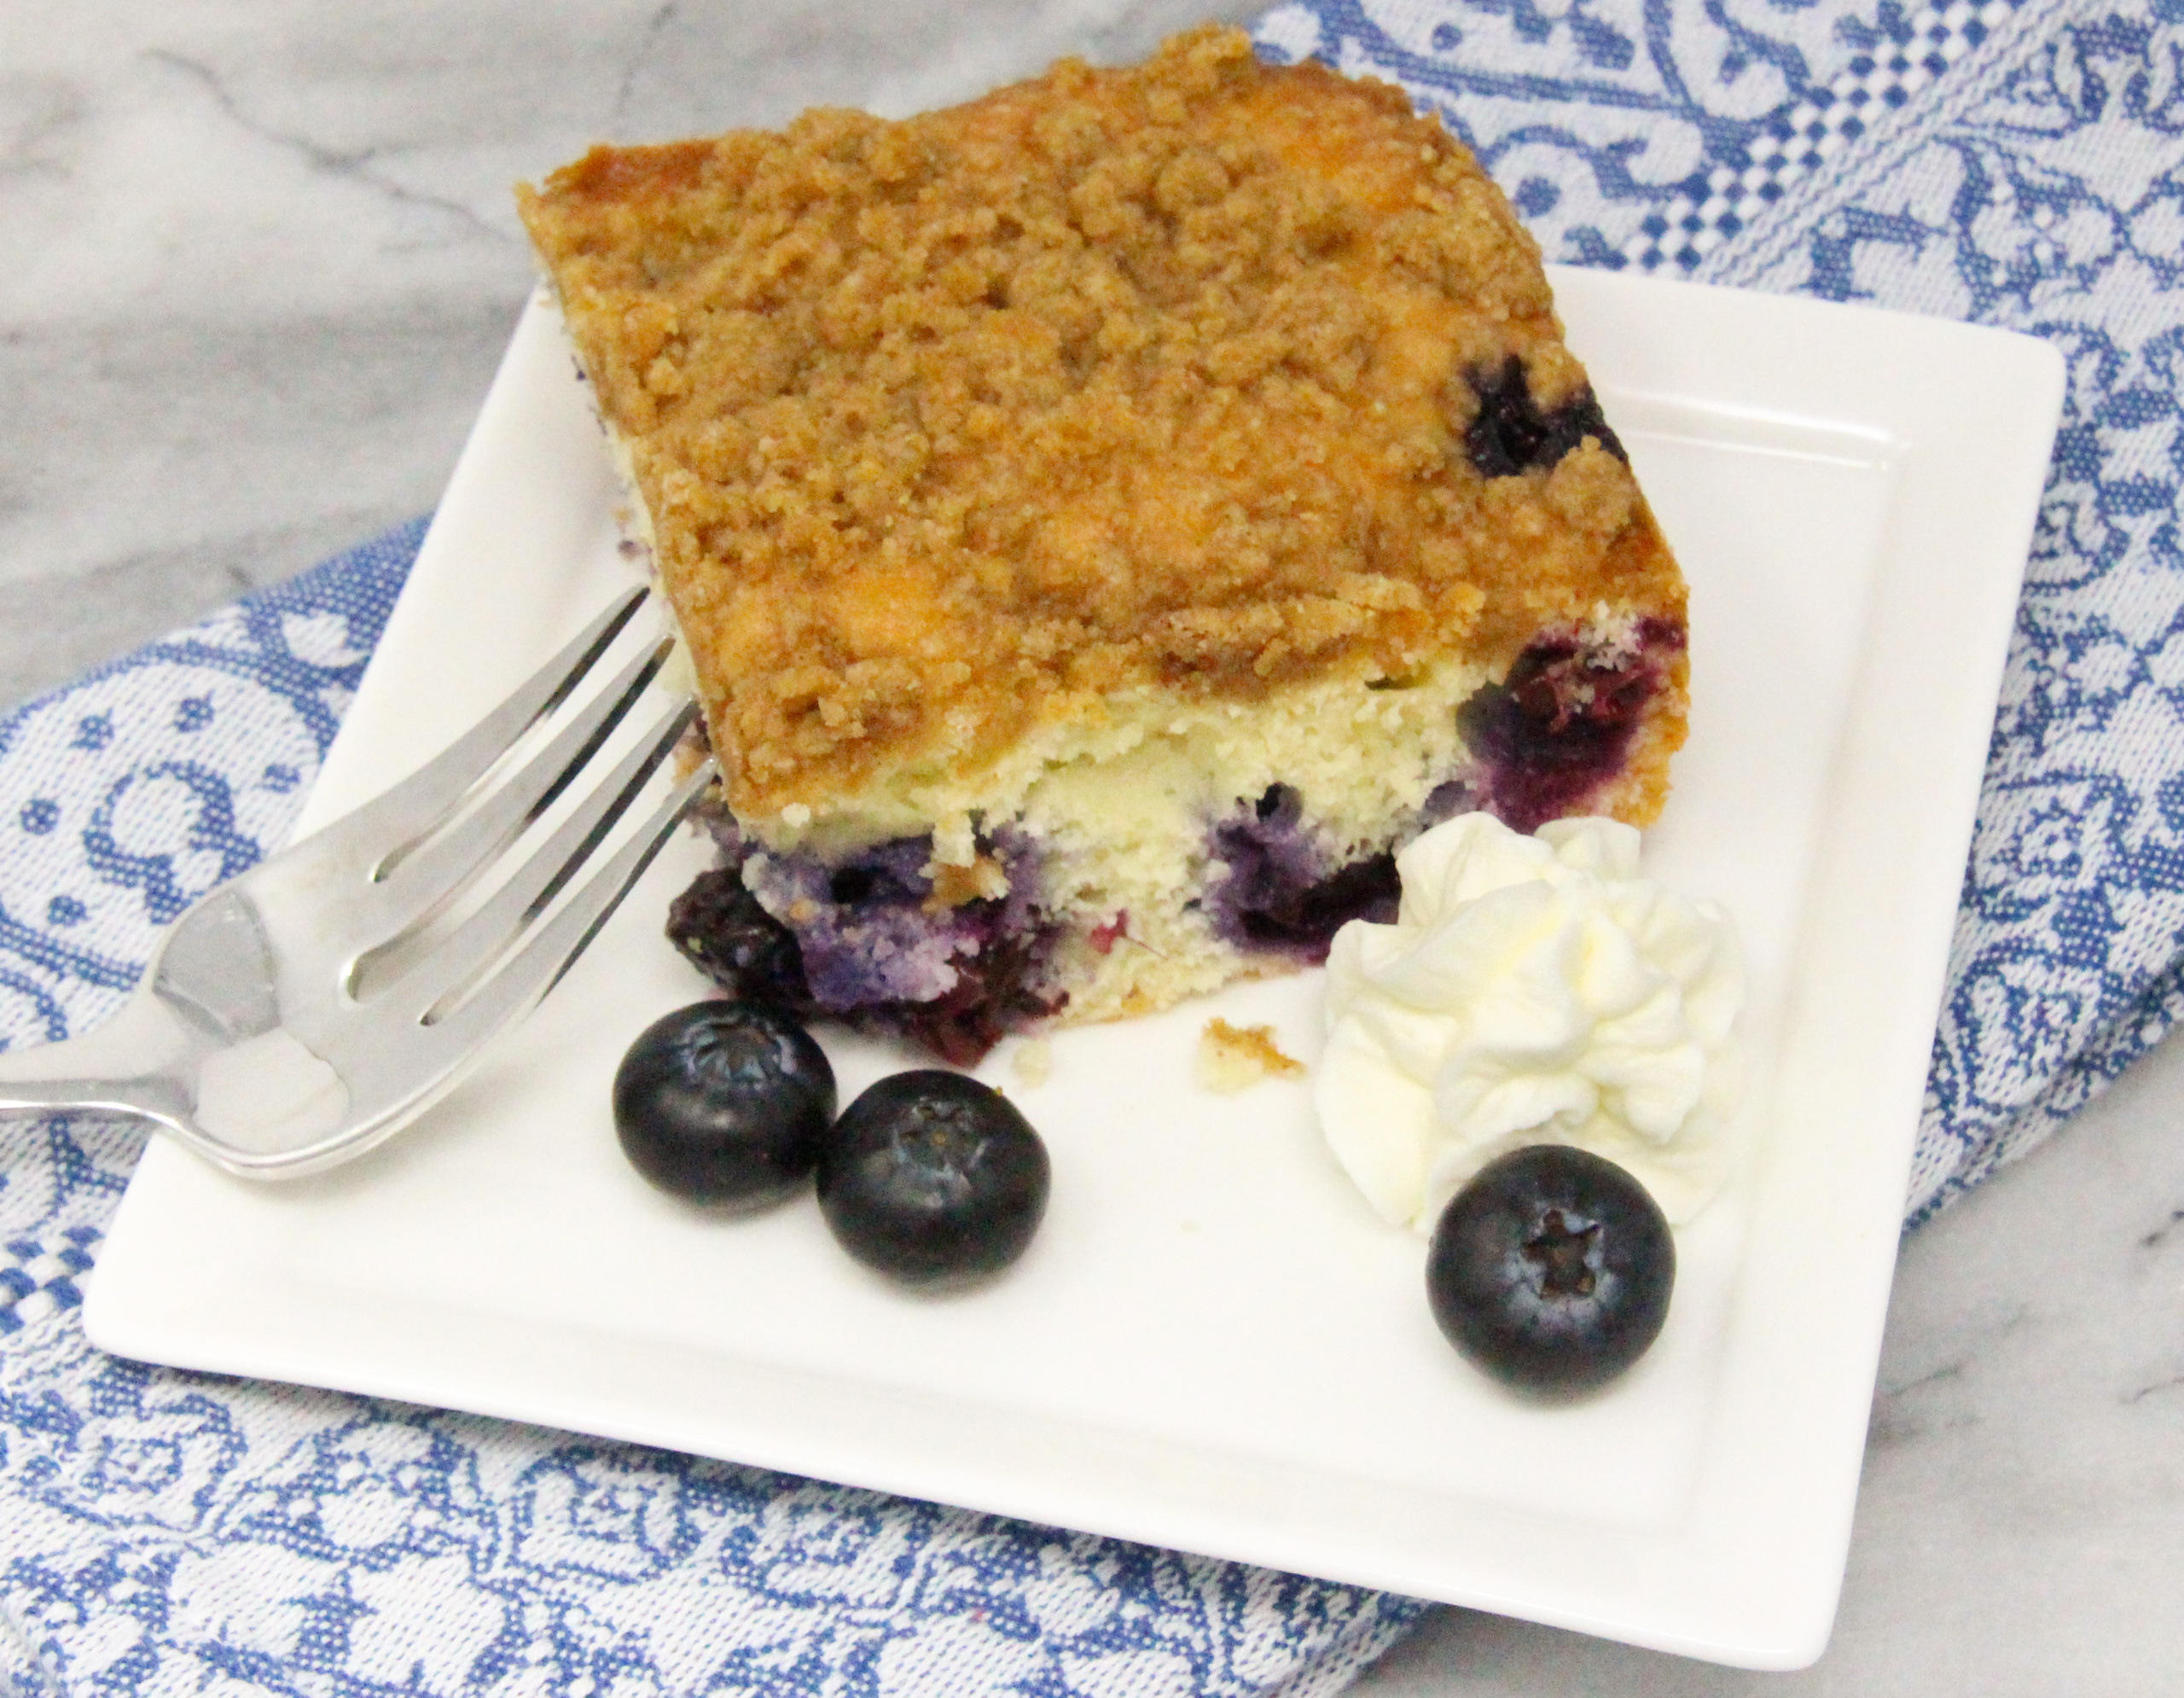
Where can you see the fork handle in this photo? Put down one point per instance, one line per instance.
(114, 1065)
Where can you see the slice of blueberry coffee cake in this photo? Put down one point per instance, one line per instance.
(1107, 520)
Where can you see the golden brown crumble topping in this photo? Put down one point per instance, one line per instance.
(1147, 377)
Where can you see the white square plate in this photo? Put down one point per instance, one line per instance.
(1214, 1345)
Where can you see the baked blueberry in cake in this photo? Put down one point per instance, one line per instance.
(1106, 521)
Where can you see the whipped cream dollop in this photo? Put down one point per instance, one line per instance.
(1533, 990)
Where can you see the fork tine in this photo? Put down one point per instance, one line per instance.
(517, 986)
(419, 884)
(450, 966)
(413, 807)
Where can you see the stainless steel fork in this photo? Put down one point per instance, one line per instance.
(262, 1037)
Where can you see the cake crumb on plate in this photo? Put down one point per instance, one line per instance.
(1032, 1063)
(1233, 1058)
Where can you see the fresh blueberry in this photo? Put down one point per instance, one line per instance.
(930, 1177)
(724, 1102)
(1551, 1270)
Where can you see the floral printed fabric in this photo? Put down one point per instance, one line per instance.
(164, 1533)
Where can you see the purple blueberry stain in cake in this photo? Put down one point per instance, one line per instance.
(1510, 434)
(862, 926)
(1281, 890)
(1445, 800)
(997, 992)
(1266, 856)
(861, 939)
(1558, 728)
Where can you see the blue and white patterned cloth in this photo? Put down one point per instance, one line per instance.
(160, 1532)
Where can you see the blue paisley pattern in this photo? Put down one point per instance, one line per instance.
(2017, 162)
(2047, 195)
(1645, 133)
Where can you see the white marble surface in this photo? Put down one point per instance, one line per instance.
(260, 260)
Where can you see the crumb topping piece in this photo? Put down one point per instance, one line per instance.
(1234, 1058)
(1033, 1063)
(1154, 378)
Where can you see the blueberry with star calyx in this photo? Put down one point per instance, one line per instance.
(724, 1102)
(1551, 1270)
(932, 1178)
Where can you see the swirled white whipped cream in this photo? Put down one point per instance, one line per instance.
(1533, 990)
